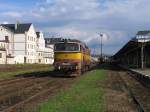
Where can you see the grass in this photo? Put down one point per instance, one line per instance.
(41, 68)
(84, 96)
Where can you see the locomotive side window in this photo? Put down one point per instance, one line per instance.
(80, 48)
(66, 47)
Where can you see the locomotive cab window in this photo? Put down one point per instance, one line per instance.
(67, 47)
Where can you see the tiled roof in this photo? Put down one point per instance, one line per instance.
(21, 28)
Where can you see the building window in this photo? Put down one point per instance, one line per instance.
(0, 55)
(39, 60)
(28, 38)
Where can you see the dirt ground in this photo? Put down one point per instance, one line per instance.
(21, 94)
(14, 68)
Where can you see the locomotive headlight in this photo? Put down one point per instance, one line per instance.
(59, 67)
(76, 67)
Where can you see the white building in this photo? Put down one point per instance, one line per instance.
(5, 56)
(45, 54)
(40, 47)
(49, 54)
(21, 42)
(3, 53)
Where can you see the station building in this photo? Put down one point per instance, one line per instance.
(136, 52)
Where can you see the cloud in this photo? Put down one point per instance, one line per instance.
(5, 22)
(84, 19)
(12, 14)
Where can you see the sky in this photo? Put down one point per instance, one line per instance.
(118, 20)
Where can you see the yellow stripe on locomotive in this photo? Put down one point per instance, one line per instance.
(68, 55)
(71, 55)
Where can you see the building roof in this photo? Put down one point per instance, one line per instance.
(143, 32)
(21, 28)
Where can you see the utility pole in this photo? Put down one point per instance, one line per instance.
(101, 40)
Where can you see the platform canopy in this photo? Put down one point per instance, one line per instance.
(131, 46)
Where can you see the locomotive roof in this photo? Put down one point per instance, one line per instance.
(73, 41)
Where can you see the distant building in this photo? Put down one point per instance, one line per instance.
(20, 43)
(40, 47)
(52, 41)
(49, 54)
(45, 54)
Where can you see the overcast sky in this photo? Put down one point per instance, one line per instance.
(82, 19)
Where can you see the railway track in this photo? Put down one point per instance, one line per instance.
(137, 89)
(15, 94)
(5, 89)
(143, 79)
(138, 105)
(10, 81)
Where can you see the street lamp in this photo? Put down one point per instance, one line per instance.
(101, 44)
(142, 53)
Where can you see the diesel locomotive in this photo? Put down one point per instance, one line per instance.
(71, 56)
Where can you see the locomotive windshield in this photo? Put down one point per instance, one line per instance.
(66, 47)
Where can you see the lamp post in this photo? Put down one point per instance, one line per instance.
(101, 44)
(142, 53)
(142, 56)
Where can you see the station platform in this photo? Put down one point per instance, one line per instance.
(141, 75)
(145, 72)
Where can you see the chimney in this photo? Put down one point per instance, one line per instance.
(16, 25)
